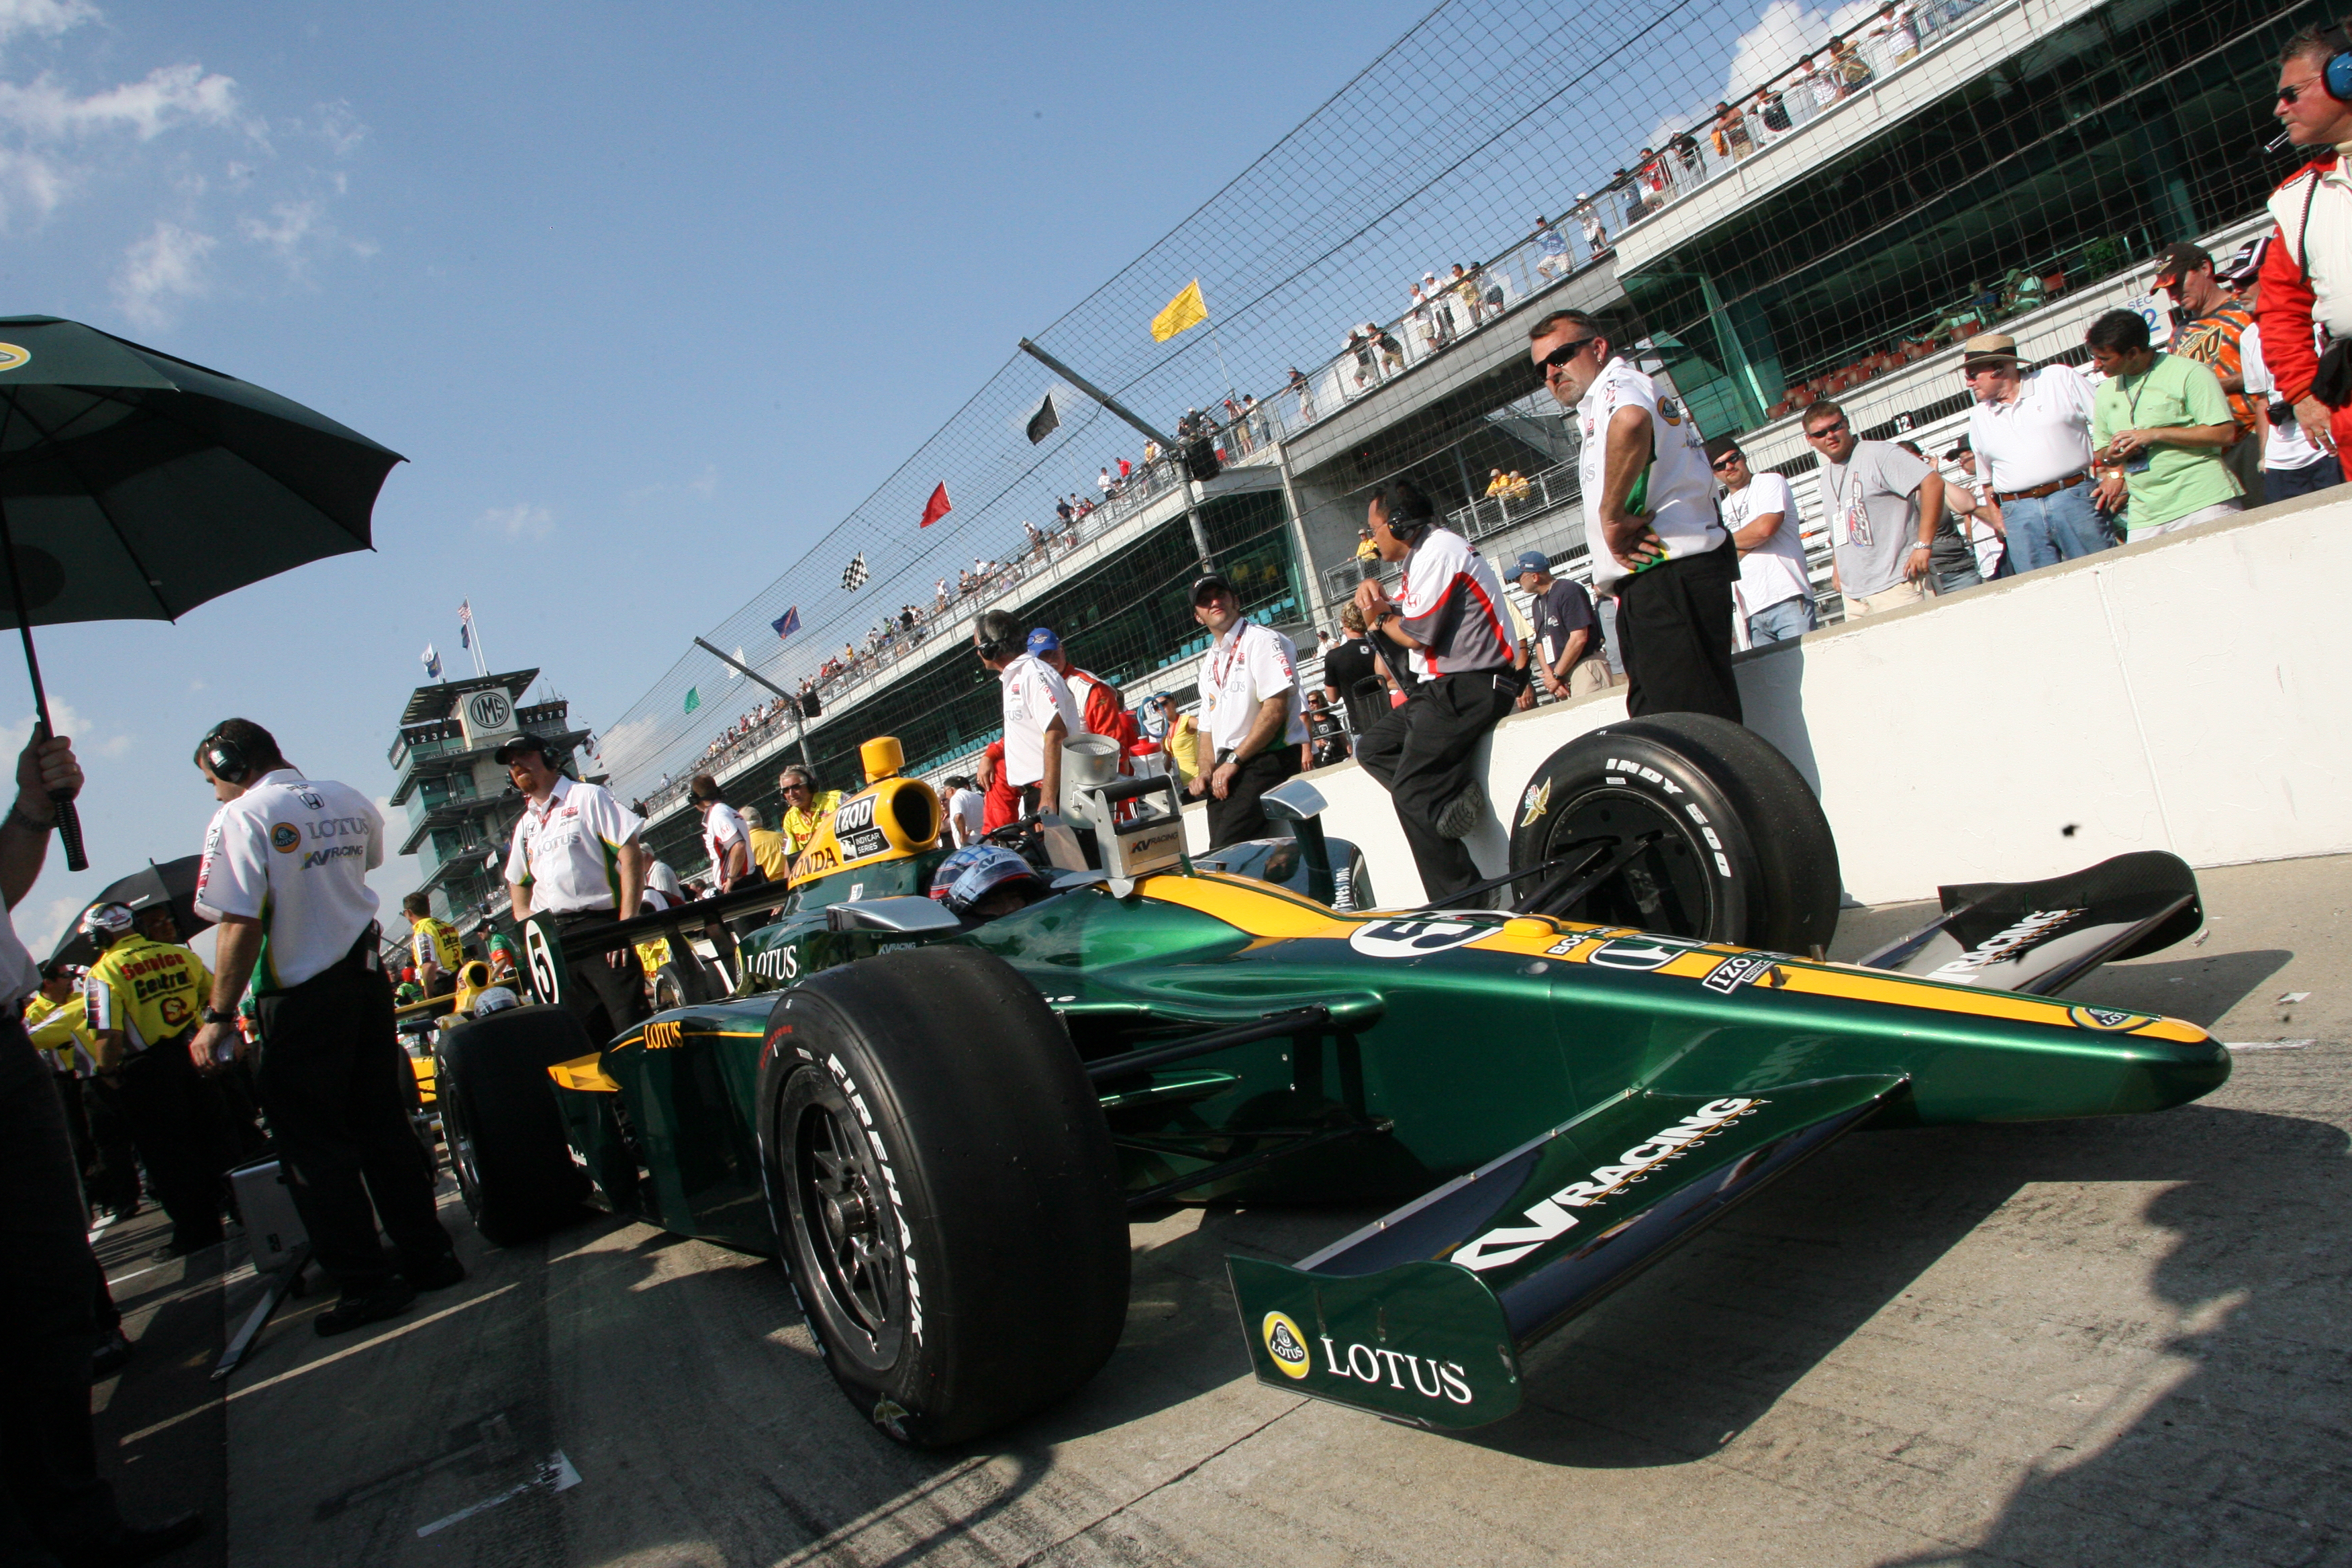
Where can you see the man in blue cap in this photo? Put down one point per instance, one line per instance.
(1566, 659)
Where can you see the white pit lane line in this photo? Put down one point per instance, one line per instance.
(2266, 1045)
(555, 1475)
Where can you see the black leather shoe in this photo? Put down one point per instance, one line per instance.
(132, 1545)
(438, 1275)
(113, 1353)
(387, 1299)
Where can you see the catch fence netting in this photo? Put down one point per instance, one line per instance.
(1447, 148)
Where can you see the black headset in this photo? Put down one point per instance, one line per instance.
(225, 757)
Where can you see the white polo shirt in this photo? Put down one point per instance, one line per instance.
(293, 854)
(1034, 692)
(1774, 572)
(1681, 498)
(722, 829)
(567, 848)
(2045, 435)
(1242, 668)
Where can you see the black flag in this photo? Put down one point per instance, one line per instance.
(1045, 422)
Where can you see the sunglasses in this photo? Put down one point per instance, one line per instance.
(1726, 463)
(1970, 371)
(2291, 94)
(796, 789)
(1565, 352)
(1826, 431)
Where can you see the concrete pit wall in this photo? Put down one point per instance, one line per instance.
(2181, 693)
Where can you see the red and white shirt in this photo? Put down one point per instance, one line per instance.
(1454, 606)
(722, 829)
(1033, 694)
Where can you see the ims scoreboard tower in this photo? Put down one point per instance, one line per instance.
(461, 809)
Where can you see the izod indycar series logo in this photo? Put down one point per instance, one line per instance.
(2029, 932)
(853, 826)
(1551, 1219)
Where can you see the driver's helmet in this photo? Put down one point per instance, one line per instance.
(104, 922)
(976, 870)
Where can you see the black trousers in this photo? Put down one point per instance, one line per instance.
(332, 1082)
(1674, 632)
(175, 1118)
(113, 1180)
(1238, 818)
(50, 1494)
(1420, 753)
(604, 999)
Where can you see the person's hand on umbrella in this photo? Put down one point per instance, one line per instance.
(46, 772)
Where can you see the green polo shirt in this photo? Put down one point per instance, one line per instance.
(2177, 479)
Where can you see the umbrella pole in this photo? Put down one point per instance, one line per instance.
(69, 820)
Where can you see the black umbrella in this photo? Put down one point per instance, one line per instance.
(134, 486)
(173, 884)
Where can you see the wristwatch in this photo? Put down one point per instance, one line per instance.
(215, 1016)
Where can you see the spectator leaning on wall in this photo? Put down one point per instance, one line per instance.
(1880, 505)
(2030, 434)
(2160, 424)
(2306, 278)
(1775, 595)
(2218, 320)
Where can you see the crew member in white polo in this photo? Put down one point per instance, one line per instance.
(726, 838)
(1775, 593)
(1040, 714)
(2030, 434)
(285, 877)
(1252, 711)
(1657, 543)
(576, 856)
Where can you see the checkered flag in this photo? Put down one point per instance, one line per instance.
(852, 576)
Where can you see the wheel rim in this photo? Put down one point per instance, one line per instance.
(839, 1204)
(1666, 884)
(459, 1137)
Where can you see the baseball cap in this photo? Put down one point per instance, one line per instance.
(2247, 265)
(1211, 583)
(1043, 640)
(1531, 561)
(516, 745)
(2175, 259)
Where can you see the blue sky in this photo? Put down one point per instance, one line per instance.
(649, 297)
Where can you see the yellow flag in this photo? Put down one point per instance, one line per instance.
(1187, 310)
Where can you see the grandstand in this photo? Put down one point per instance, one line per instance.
(2005, 160)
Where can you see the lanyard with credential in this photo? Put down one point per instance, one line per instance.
(1217, 672)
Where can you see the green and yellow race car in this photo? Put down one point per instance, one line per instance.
(940, 1125)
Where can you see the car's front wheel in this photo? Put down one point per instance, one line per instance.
(945, 1192)
(498, 1118)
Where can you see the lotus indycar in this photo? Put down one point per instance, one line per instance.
(940, 1127)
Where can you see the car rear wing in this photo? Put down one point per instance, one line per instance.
(2041, 937)
(1423, 1316)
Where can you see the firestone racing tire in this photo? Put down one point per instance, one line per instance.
(944, 1190)
(1714, 835)
(499, 1118)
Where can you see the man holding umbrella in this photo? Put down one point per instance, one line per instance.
(285, 875)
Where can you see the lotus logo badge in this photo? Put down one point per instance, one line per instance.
(11, 357)
(1285, 1345)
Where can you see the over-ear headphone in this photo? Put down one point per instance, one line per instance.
(2336, 75)
(225, 757)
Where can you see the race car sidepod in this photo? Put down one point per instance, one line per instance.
(1422, 1315)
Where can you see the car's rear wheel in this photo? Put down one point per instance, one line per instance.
(1683, 823)
(944, 1190)
(501, 1123)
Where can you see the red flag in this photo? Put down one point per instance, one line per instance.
(937, 506)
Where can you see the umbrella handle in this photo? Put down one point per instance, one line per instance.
(69, 832)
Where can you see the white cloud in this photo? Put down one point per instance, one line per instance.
(340, 128)
(47, 18)
(708, 485)
(88, 735)
(159, 270)
(524, 519)
(169, 96)
(39, 931)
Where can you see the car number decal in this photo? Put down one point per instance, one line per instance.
(1414, 939)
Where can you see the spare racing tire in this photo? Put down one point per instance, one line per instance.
(944, 1190)
(499, 1122)
(1712, 835)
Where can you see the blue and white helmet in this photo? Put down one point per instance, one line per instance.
(106, 922)
(976, 870)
